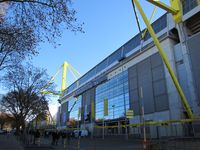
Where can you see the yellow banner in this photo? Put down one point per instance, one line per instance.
(92, 110)
(105, 107)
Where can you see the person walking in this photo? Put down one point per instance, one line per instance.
(64, 136)
(53, 134)
(57, 136)
(37, 137)
(68, 138)
(79, 134)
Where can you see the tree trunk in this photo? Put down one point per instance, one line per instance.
(2, 125)
(18, 124)
(17, 128)
(23, 126)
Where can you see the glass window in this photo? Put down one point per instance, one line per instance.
(115, 56)
(73, 106)
(115, 90)
(188, 5)
(102, 65)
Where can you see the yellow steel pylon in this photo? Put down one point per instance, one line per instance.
(64, 67)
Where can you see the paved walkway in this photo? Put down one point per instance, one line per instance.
(9, 142)
(95, 144)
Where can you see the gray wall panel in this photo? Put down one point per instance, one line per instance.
(148, 75)
(134, 95)
(132, 72)
(136, 108)
(133, 83)
(158, 73)
(64, 113)
(145, 83)
(194, 49)
(156, 60)
(159, 87)
(161, 103)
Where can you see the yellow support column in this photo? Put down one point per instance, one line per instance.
(198, 1)
(176, 4)
(64, 76)
(164, 58)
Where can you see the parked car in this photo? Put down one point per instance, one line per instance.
(84, 133)
(13, 131)
(3, 131)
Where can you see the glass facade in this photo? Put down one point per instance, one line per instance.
(116, 92)
(189, 5)
(73, 106)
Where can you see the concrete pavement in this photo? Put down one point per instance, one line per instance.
(9, 142)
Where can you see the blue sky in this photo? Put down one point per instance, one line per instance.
(108, 24)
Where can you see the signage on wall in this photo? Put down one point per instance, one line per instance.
(92, 110)
(129, 114)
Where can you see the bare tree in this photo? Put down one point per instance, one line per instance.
(24, 100)
(25, 23)
(15, 45)
(47, 18)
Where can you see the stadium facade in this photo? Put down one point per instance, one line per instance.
(135, 75)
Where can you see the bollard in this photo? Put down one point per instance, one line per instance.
(78, 147)
(94, 148)
(65, 143)
(145, 145)
(39, 141)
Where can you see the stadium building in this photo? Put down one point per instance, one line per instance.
(134, 76)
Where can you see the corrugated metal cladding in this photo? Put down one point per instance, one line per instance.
(147, 84)
(194, 49)
(189, 5)
(87, 98)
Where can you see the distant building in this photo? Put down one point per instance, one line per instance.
(7, 121)
(132, 77)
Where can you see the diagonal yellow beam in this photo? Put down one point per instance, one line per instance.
(153, 13)
(75, 71)
(50, 81)
(164, 6)
(165, 60)
(175, 9)
(198, 1)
